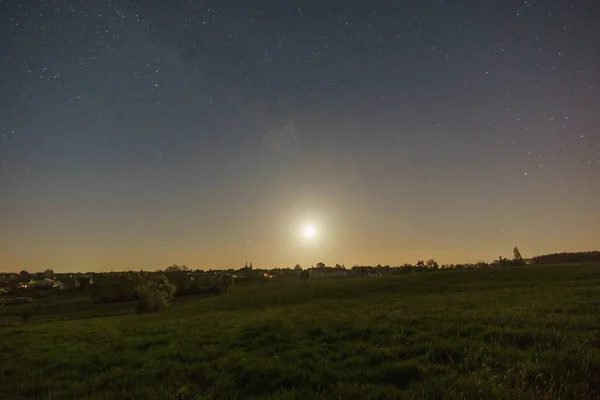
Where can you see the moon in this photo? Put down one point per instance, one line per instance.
(309, 231)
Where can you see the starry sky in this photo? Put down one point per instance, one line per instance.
(138, 134)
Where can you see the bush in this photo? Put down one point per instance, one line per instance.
(304, 275)
(225, 282)
(154, 294)
(114, 287)
(2, 294)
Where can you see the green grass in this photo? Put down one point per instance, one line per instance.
(530, 333)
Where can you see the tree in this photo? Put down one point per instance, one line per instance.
(180, 276)
(117, 286)
(567, 258)
(154, 294)
(49, 273)
(2, 294)
(432, 264)
(304, 275)
(24, 273)
(517, 258)
(176, 268)
(298, 267)
(321, 265)
(225, 282)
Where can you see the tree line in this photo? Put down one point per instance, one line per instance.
(567, 258)
(154, 290)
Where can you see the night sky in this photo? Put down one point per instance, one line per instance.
(138, 134)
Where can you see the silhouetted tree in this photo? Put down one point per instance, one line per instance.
(181, 279)
(225, 282)
(117, 286)
(565, 258)
(517, 258)
(49, 273)
(503, 261)
(176, 268)
(298, 267)
(432, 264)
(2, 294)
(82, 283)
(304, 275)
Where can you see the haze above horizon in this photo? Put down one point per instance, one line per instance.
(136, 135)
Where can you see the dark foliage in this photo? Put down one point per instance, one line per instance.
(566, 258)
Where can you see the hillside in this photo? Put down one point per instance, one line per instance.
(490, 333)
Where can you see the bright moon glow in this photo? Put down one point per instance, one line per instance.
(309, 231)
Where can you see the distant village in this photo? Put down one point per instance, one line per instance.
(45, 283)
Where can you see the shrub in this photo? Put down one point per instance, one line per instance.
(114, 287)
(2, 294)
(225, 282)
(154, 294)
(304, 275)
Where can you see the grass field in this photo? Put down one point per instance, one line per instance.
(511, 333)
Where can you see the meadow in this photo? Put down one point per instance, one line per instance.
(498, 333)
